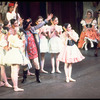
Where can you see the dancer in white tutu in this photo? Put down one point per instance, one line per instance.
(44, 33)
(14, 57)
(55, 43)
(3, 44)
(70, 53)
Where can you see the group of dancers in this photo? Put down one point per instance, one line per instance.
(24, 45)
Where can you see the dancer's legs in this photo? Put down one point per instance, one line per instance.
(4, 77)
(14, 76)
(42, 63)
(57, 64)
(52, 63)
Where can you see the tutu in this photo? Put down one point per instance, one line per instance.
(55, 44)
(70, 54)
(14, 56)
(44, 45)
(44, 42)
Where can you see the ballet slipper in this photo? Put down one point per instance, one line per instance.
(67, 80)
(58, 71)
(44, 71)
(72, 80)
(18, 89)
(8, 85)
(52, 71)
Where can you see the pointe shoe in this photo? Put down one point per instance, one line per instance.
(72, 80)
(44, 71)
(67, 80)
(58, 71)
(18, 89)
(8, 85)
(52, 71)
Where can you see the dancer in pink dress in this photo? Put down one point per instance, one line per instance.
(70, 53)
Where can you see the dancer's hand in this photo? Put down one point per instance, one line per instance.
(16, 4)
(49, 16)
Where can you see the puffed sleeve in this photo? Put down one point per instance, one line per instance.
(94, 22)
(63, 37)
(75, 35)
(83, 22)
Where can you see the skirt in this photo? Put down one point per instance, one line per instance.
(55, 45)
(44, 45)
(90, 34)
(70, 54)
(15, 56)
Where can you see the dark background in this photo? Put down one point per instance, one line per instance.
(66, 11)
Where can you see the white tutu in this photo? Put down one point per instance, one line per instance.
(14, 56)
(55, 44)
(44, 45)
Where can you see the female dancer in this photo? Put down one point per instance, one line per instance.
(70, 53)
(55, 43)
(14, 57)
(89, 32)
(44, 33)
(3, 44)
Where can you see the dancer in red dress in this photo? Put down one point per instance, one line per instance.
(32, 46)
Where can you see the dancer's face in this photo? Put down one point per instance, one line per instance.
(56, 21)
(11, 8)
(8, 25)
(16, 24)
(39, 21)
(89, 14)
(69, 27)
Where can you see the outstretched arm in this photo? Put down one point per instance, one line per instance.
(44, 22)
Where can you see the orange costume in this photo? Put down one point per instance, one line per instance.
(89, 33)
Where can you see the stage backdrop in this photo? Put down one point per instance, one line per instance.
(67, 12)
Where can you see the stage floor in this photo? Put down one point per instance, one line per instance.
(53, 86)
